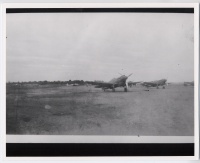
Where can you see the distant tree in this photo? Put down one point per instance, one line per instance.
(44, 82)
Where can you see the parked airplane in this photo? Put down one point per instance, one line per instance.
(130, 83)
(114, 83)
(156, 83)
(188, 84)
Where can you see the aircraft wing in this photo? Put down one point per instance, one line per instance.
(149, 84)
(103, 85)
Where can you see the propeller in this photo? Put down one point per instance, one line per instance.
(126, 84)
(166, 81)
(127, 81)
(129, 75)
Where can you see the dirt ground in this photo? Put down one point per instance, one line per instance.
(82, 110)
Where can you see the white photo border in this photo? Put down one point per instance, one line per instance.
(88, 139)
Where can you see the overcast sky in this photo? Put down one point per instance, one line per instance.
(98, 46)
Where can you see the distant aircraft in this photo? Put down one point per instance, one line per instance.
(189, 83)
(75, 84)
(156, 83)
(130, 83)
(114, 83)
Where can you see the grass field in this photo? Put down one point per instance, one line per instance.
(81, 110)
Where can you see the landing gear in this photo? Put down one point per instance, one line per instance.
(163, 87)
(125, 89)
(147, 89)
(113, 89)
(157, 87)
(104, 89)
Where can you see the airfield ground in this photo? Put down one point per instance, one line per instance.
(81, 110)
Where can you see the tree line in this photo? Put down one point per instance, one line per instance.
(70, 82)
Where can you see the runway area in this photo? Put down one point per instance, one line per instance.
(85, 110)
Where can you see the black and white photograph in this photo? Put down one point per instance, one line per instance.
(109, 71)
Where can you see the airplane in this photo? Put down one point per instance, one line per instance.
(130, 83)
(156, 83)
(114, 83)
(188, 84)
(75, 84)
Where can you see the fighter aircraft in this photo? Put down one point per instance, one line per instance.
(156, 83)
(114, 83)
(130, 83)
(188, 84)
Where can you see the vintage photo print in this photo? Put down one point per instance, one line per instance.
(102, 73)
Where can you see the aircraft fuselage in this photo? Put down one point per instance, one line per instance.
(114, 83)
(156, 83)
